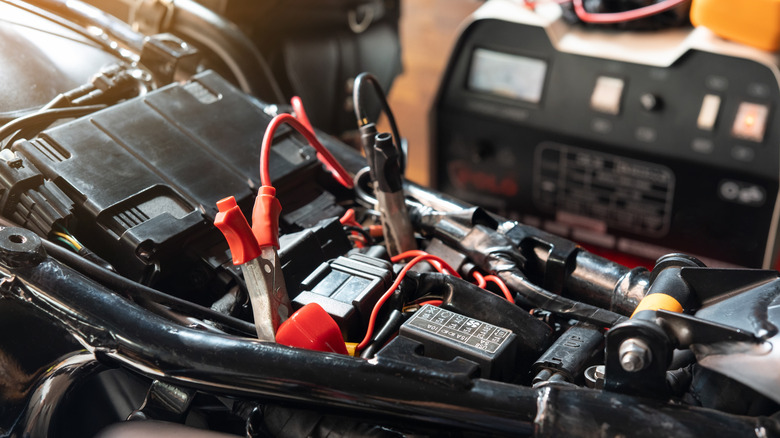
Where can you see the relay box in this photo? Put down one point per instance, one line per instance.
(639, 143)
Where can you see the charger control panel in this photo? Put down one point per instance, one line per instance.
(642, 144)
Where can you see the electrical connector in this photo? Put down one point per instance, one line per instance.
(390, 196)
(30, 200)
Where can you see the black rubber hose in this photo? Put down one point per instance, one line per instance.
(197, 23)
(557, 304)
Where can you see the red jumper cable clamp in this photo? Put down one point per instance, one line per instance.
(258, 259)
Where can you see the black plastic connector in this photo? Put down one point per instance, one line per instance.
(347, 288)
(302, 252)
(570, 354)
(367, 135)
(30, 200)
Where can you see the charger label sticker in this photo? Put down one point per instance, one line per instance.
(459, 328)
(624, 193)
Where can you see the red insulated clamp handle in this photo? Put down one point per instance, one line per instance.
(231, 221)
(265, 217)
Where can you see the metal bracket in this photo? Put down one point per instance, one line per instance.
(169, 58)
(688, 330)
(151, 16)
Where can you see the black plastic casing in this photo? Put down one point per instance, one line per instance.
(146, 174)
(446, 335)
(302, 252)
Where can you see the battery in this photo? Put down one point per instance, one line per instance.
(446, 335)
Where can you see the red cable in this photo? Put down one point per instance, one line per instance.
(323, 154)
(620, 17)
(416, 252)
(431, 302)
(300, 112)
(501, 285)
(349, 219)
(360, 241)
(376, 231)
(389, 293)
(481, 282)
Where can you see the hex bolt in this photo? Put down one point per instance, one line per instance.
(635, 355)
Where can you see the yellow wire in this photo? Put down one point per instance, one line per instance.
(70, 239)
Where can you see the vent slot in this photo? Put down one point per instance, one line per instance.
(131, 218)
(50, 150)
(200, 92)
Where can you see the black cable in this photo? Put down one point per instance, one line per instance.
(360, 113)
(131, 289)
(389, 328)
(362, 231)
(45, 118)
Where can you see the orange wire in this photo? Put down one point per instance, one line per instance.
(501, 285)
(378, 306)
(417, 252)
(375, 231)
(431, 302)
(481, 282)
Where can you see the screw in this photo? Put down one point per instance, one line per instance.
(634, 355)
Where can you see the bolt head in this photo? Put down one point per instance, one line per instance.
(634, 355)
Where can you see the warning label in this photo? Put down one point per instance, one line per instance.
(459, 328)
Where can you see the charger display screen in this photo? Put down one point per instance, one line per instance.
(507, 75)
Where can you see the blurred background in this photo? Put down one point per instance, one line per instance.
(428, 31)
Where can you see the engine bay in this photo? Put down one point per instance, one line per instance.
(180, 257)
